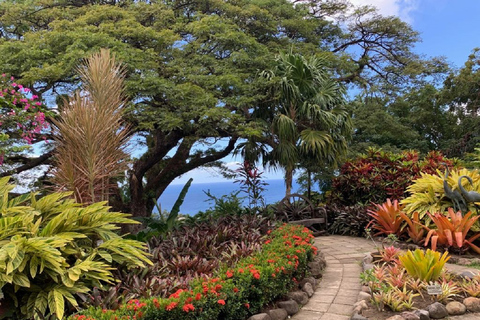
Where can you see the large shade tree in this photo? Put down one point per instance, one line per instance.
(192, 66)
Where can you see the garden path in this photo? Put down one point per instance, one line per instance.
(340, 285)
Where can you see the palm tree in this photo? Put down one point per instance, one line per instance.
(304, 113)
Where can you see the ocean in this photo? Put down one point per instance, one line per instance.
(196, 200)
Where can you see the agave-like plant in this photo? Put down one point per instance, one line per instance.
(52, 249)
(386, 218)
(452, 230)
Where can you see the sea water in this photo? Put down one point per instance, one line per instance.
(196, 200)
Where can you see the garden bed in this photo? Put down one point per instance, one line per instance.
(396, 283)
(233, 292)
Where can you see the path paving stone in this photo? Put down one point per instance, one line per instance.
(338, 289)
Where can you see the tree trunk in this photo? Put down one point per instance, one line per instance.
(309, 184)
(288, 181)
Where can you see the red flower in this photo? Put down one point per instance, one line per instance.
(256, 275)
(198, 296)
(235, 290)
(229, 274)
(171, 306)
(188, 307)
(221, 301)
(247, 305)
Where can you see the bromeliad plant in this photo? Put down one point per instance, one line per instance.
(415, 228)
(52, 249)
(426, 266)
(233, 292)
(452, 231)
(386, 218)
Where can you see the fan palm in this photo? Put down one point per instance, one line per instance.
(306, 117)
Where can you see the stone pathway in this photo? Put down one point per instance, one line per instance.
(340, 284)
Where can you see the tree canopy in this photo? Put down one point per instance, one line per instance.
(192, 66)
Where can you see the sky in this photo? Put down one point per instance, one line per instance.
(449, 28)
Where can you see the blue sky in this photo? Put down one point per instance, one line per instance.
(449, 28)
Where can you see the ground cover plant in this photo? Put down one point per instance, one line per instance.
(233, 292)
(192, 250)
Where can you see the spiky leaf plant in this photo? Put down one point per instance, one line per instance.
(428, 195)
(52, 248)
(90, 133)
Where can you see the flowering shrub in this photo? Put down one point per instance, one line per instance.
(22, 115)
(234, 292)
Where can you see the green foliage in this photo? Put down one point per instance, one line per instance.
(427, 193)
(424, 265)
(192, 68)
(378, 175)
(53, 249)
(307, 115)
(234, 292)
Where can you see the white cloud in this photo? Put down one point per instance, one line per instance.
(399, 8)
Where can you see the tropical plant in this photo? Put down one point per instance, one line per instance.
(22, 118)
(397, 300)
(379, 175)
(471, 287)
(233, 292)
(251, 183)
(389, 254)
(53, 249)
(348, 220)
(306, 112)
(415, 228)
(424, 265)
(386, 218)
(452, 230)
(90, 133)
(158, 226)
(427, 192)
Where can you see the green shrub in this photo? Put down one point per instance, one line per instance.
(234, 292)
(52, 248)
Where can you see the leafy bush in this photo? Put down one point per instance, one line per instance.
(234, 292)
(427, 193)
(53, 249)
(426, 266)
(379, 175)
(348, 220)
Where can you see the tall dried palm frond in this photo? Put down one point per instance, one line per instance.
(90, 133)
